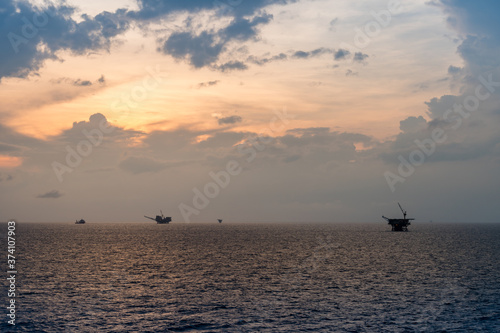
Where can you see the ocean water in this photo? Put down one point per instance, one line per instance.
(144, 277)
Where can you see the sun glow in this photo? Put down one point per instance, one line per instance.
(10, 161)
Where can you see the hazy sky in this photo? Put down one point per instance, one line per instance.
(264, 110)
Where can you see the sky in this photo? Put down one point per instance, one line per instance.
(249, 111)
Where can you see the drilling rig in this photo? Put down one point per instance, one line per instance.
(399, 224)
(160, 219)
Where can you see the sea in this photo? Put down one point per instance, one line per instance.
(254, 277)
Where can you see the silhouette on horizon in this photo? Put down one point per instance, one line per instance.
(81, 221)
(220, 221)
(160, 219)
(399, 224)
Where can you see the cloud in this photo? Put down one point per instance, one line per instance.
(349, 72)
(413, 124)
(24, 53)
(333, 24)
(200, 50)
(83, 83)
(360, 57)
(267, 59)
(473, 18)
(341, 54)
(292, 54)
(54, 194)
(154, 9)
(470, 129)
(78, 82)
(231, 66)
(5, 148)
(437, 107)
(454, 70)
(313, 53)
(204, 48)
(208, 84)
(137, 165)
(28, 44)
(96, 121)
(9, 177)
(229, 120)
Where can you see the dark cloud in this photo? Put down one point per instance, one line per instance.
(54, 194)
(470, 131)
(412, 124)
(473, 17)
(34, 35)
(453, 70)
(54, 28)
(341, 54)
(244, 29)
(231, 66)
(360, 57)
(5, 148)
(78, 82)
(203, 49)
(266, 59)
(313, 53)
(155, 9)
(83, 83)
(436, 107)
(96, 121)
(478, 22)
(200, 50)
(208, 84)
(229, 120)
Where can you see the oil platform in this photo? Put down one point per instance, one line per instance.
(399, 224)
(160, 219)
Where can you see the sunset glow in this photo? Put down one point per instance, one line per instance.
(185, 87)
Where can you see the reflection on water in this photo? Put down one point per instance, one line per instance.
(257, 277)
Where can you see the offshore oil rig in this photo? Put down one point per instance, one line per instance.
(160, 219)
(399, 224)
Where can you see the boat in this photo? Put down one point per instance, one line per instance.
(220, 221)
(160, 219)
(81, 221)
(399, 224)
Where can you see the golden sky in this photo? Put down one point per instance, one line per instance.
(187, 87)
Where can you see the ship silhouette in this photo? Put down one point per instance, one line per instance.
(399, 224)
(160, 219)
(220, 221)
(81, 221)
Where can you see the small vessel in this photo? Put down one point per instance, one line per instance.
(220, 221)
(399, 224)
(81, 221)
(160, 219)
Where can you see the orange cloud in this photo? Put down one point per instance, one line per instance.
(10, 161)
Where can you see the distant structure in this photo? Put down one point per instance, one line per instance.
(160, 219)
(220, 221)
(399, 224)
(82, 221)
